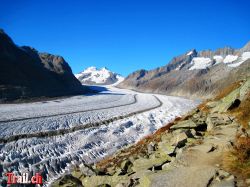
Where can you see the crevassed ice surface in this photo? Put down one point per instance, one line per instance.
(53, 156)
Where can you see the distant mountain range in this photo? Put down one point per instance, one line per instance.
(94, 76)
(27, 73)
(194, 74)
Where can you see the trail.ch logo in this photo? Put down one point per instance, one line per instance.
(24, 179)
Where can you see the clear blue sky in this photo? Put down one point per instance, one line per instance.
(125, 35)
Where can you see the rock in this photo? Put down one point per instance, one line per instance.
(166, 148)
(199, 118)
(227, 101)
(216, 119)
(151, 147)
(229, 183)
(178, 153)
(187, 124)
(235, 104)
(86, 170)
(244, 89)
(126, 167)
(205, 148)
(166, 166)
(223, 179)
(155, 160)
(212, 104)
(181, 176)
(166, 137)
(67, 180)
(248, 181)
(111, 170)
(181, 139)
(210, 124)
(77, 174)
(121, 185)
(176, 132)
(223, 174)
(248, 130)
(190, 133)
(105, 179)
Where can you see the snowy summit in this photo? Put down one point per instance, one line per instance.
(94, 76)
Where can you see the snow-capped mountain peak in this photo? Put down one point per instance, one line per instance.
(190, 53)
(103, 76)
(89, 69)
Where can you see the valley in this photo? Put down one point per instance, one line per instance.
(53, 136)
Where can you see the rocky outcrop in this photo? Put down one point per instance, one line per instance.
(187, 152)
(25, 73)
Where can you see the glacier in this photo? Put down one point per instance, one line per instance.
(137, 115)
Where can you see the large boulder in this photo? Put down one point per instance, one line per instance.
(166, 148)
(233, 99)
(187, 124)
(181, 176)
(67, 181)
(105, 179)
(126, 167)
(227, 102)
(217, 119)
(157, 159)
(180, 139)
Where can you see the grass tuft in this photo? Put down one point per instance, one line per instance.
(242, 113)
(237, 160)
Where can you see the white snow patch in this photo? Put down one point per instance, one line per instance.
(190, 53)
(119, 80)
(245, 56)
(234, 65)
(200, 63)
(230, 59)
(242, 59)
(218, 59)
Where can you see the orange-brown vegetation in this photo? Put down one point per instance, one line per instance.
(237, 160)
(242, 113)
(224, 92)
(140, 148)
(203, 106)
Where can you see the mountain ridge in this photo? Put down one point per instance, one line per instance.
(193, 74)
(26, 73)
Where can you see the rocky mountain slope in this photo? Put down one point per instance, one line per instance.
(94, 76)
(27, 73)
(194, 74)
(208, 147)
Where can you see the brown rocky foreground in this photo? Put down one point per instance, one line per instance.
(192, 151)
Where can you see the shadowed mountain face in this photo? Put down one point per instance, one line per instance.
(194, 74)
(26, 73)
